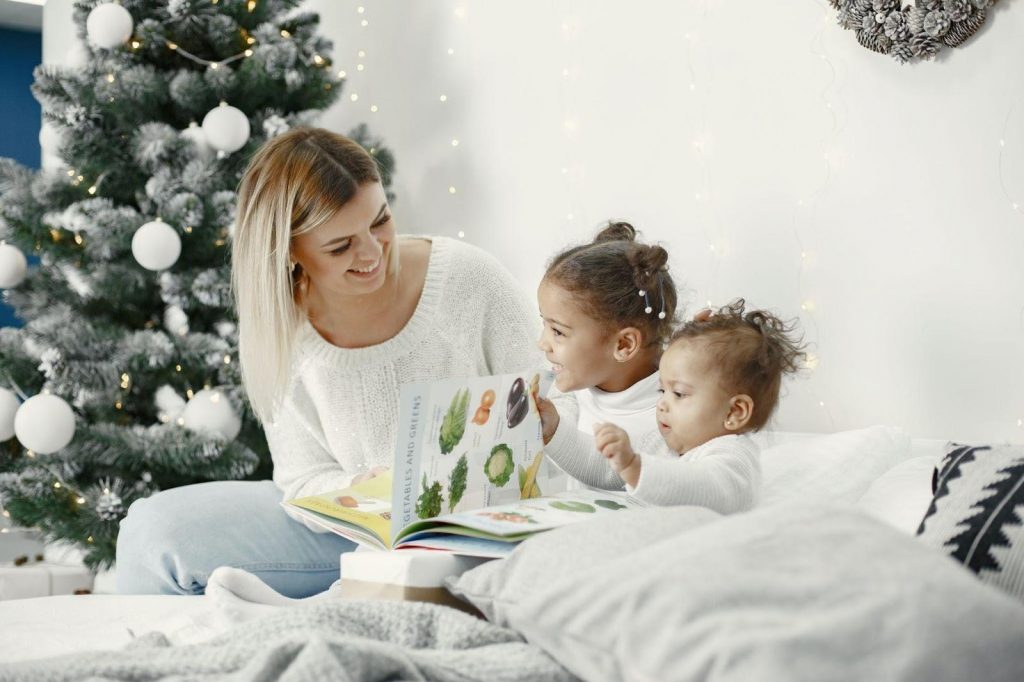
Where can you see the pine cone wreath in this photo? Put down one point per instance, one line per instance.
(924, 46)
(963, 30)
(896, 27)
(901, 52)
(873, 41)
(957, 10)
(916, 31)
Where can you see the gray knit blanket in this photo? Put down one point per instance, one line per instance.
(341, 640)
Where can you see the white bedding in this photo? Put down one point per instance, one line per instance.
(51, 626)
(48, 626)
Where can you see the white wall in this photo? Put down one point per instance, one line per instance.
(890, 179)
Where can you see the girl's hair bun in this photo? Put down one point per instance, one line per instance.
(616, 232)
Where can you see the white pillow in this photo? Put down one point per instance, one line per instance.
(837, 468)
(901, 496)
(787, 592)
(496, 585)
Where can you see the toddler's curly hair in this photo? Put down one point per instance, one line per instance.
(750, 350)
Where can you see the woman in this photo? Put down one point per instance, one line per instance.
(335, 311)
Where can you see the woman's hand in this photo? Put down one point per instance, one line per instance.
(367, 475)
(548, 418)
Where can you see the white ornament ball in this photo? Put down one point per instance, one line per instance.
(109, 25)
(211, 412)
(226, 128)
(78, 56)
(197, 137)
(13, 266)
(44, 423)
(156, 245)
(9, 405)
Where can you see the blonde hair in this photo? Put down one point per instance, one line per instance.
(293, 184)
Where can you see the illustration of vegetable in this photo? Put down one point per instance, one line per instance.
(454, 425)
(518, 404)
(528, 478)
(428, 505)
(499, 465)
(483, 413)
(573, 506)
(457, 482)
(347, 501)
(609, 504)
(508, 516)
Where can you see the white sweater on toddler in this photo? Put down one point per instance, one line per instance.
(723, 474)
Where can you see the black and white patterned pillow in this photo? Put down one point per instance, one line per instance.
(977, 512)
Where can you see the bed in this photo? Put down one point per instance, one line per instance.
(851, 494)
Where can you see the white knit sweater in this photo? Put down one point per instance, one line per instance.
(340, 412)
(723, 474)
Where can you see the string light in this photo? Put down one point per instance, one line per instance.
(174, 47)
(451, 189)
(359, 67)
(455, 143)
(341, 74)
(444, 98)
(354, 97)
(374, 108)
(285, 33)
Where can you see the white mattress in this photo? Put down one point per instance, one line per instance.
(50, 626)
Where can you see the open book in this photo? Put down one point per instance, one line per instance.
(469, 474)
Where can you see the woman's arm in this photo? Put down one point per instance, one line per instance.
(303, 465)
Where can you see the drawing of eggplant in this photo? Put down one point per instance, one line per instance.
(518, 404)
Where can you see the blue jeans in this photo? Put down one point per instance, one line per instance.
(170, 543)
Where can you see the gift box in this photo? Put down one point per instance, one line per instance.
(42, 579)
(406, 575)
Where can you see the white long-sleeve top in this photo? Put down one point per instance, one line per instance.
(723, 474)
(339, 414)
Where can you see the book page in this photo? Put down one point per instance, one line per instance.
(470, 443)
(365, 505)
(518, 520)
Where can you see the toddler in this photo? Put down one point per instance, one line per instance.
(719, 381)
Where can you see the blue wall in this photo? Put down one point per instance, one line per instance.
(20, 52)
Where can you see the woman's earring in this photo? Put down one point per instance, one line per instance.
(291, 267)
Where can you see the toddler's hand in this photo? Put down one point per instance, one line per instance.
(613, 443)
(548, 418)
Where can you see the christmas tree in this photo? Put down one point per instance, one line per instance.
(124, 380)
